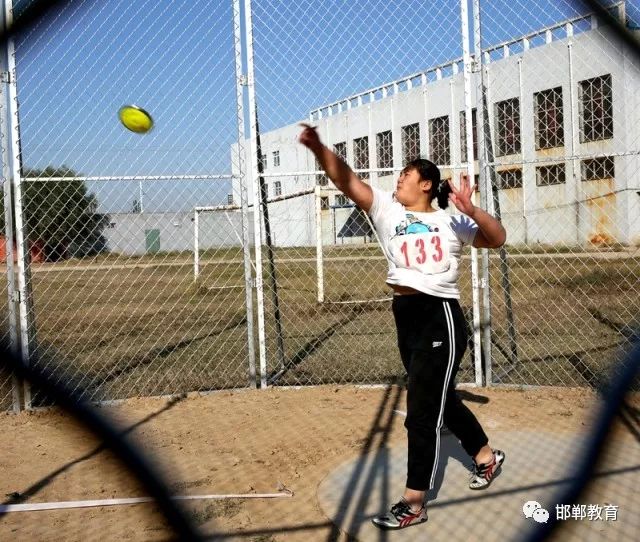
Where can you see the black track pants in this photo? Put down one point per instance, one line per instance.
(432, 338)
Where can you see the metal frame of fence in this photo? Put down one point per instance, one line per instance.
(270, 324)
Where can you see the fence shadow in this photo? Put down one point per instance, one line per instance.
(18, 497)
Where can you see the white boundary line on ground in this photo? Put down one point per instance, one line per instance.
(34, 507)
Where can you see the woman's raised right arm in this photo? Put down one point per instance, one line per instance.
(340, 173)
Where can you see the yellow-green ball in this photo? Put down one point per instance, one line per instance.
(135, 118)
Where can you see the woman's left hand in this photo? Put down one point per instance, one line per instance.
(461, 197)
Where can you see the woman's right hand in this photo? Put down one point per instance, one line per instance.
(309, 137)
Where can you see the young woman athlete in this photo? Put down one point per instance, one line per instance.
(423, 246)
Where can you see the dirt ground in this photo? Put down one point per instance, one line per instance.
(234, 442)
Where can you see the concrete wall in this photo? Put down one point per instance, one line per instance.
(219, 229)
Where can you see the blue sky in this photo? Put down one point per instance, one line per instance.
(176, 59)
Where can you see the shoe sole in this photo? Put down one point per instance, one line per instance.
(495, 475)
(390, 528)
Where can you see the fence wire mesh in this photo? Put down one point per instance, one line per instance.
(334, 309)
(109, 214)
(213, 254)
(563, 164)
(139, 245)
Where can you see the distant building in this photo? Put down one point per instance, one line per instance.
(145, 233)
(563, 105)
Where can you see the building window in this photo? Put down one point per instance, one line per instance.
(509, 178)
(463, 134)
(321, 178)
(410, 142)
(384, 147)
(439, 140)
(276, 158)
(229, 199)
(277, 186)
(341, 150)
(263, 161)
(548, 118)
(596, 109)
(507, 119)
(361, 153)
(324, 202)
(597, 169)
(548, 175)
(342, 201)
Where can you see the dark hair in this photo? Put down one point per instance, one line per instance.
(428, 171)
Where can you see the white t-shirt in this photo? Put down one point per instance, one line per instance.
(423, 249)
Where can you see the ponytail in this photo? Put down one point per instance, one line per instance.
(442, 194)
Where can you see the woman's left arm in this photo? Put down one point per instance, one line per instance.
(491, 233)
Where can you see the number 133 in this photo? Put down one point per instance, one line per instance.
(418, 251)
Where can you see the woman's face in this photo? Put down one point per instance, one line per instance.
(411, 188)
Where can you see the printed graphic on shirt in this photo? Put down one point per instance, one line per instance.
(412, 224)
(419, 246)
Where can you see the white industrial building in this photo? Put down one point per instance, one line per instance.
(136, 234)
(563, 112)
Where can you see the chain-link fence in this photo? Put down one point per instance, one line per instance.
(561, 159)
(107, 216)
(136, 256)
(352, 83)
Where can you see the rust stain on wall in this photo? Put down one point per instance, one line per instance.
(553, 152)
(601, 204)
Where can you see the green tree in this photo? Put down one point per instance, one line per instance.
(61, 214)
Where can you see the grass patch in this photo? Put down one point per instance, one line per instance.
(129, 331)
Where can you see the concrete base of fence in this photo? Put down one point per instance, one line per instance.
(537, 466)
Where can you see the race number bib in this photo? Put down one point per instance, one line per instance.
(424, 252)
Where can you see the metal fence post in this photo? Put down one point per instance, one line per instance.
(574, 140)
(9, 230)
(484, 192)
(257, 208)
(467, 63)
(319, 260)
(27, 331)
(196, 244)
(242, 179)
(493, 202)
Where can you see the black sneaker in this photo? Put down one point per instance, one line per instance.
(484, 472)
(400, 516)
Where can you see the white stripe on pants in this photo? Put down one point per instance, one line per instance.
(447, 378)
